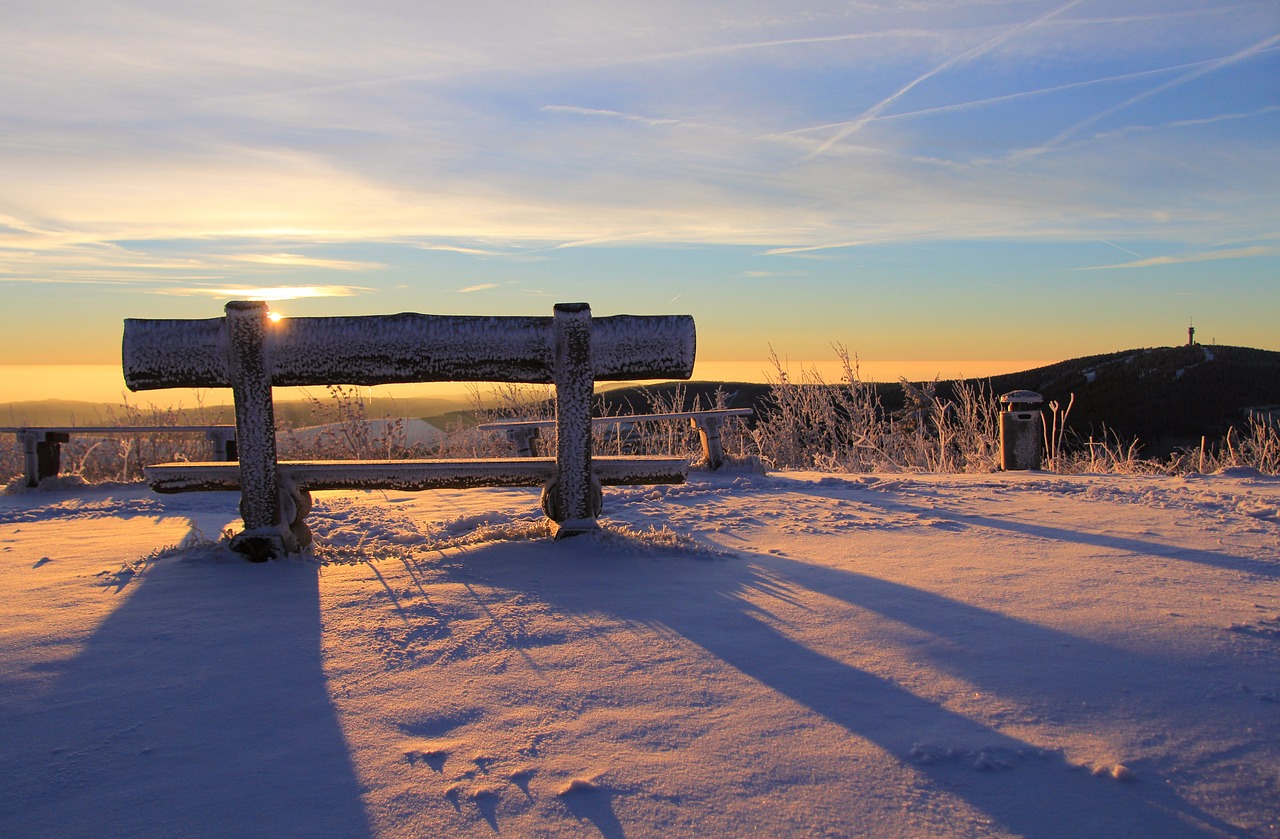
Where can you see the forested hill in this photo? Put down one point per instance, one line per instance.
(1166, 396)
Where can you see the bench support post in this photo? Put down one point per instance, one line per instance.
(571, 506)
(523, 439)
(712, 446)
(224, 443)
(263, 537)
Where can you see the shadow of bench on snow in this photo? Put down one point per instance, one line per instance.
(197, 708)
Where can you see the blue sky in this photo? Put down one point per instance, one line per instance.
(941, 181)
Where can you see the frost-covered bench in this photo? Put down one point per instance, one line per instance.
(42, 445)
(708, 423)
(250, 353)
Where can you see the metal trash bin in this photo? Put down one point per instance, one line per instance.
(1021, 430)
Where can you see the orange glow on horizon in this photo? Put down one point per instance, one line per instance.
(105, 382)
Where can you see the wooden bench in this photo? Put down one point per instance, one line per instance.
(42, 445)
(249, 352)
(708, 423)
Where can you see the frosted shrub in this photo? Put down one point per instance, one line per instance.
(1108, 455)
(844, 427)
(11, 462)
(664, 437)
(1257, 447)
(505, 402)
(813, 425)
(340, 429)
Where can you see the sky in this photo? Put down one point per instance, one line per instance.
(943, 184)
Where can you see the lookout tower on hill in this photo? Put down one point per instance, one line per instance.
(1191, 335)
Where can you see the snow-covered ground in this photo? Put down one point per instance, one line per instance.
(743, 655)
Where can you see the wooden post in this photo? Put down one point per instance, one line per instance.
(250, 372)
(572, 492)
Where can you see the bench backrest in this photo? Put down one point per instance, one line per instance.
(250, 353)
(407, 347)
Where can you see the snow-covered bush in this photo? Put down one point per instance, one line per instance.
(845, 427)
(339, 428)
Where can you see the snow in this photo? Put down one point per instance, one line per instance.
(796, 654)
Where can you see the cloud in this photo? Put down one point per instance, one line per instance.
(162, 154)
(1207, 256)
(480, 287)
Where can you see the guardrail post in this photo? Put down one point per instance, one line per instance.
(572, 506)
(250, 373)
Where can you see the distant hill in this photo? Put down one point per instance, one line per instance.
(1167, 397)
(294, 412)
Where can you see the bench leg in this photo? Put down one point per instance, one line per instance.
(712, 447)
(550, 501)
(292, 535)
(295, 503)
(42, 455)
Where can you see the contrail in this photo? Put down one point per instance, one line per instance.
(1117, 247)
(1172, 83)
(875, 110)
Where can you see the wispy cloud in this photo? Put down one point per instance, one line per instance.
(293, 260)
(807, 248)
(1206, 256)
(245, 292)
(599, 112)
(460, 249)
(762, 275)
(479, 287)
(1188, 123)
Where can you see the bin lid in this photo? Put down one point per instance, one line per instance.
(1021, 397)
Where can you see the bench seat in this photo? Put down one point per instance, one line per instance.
(415, 475)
